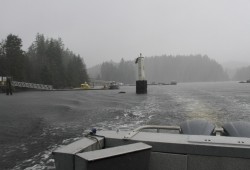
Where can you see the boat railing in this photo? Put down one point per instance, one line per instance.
(157, 127)
(218, 131)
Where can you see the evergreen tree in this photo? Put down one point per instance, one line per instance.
(109, 71)
(192, 68)
(2, 60)
(15, 58)
(76, 72)
(45, 62)
(52, 64)
(242, 74)
(55, 65)
(164, 69)
(122, 72)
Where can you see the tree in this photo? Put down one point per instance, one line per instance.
(2, 60)
(76, 72)
(192, 68)
(122, 72)
(242, 74)
(109, 71)
(15, 58)
(52, 64)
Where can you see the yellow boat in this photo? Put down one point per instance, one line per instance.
(85, 86)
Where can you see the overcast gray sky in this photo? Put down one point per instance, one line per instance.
(101, 30)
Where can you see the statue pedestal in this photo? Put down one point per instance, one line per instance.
(141, 87)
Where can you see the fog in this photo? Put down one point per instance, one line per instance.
(110, 30)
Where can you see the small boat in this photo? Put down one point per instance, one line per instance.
(114, 85)
(85, 86)
(248, 81)
(196, 144)
(173, 82)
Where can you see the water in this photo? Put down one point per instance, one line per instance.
(32, 124)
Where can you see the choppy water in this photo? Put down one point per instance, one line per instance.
(32, 124)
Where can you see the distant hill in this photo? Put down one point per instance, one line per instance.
(231, 67)
(242, 74)
(164, 69)
(192, 68)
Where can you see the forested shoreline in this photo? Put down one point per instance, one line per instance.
(163, 69)
(48, 62)
(242, 74)
(45, 62)
(181, 68)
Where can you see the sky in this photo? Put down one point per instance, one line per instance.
(104, 30)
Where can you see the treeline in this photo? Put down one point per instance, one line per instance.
(121, 72)
(192, 68)
(242, 74)
(164, 69)
(45, 62)
(13, 61)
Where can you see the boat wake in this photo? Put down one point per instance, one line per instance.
(131, 118)
(123, 119)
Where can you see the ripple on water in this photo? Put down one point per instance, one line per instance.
(131, 118)
(109, 110)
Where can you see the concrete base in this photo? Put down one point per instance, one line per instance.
(141, 87)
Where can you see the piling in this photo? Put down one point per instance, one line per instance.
(141, 86)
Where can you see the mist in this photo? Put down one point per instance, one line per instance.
(110, 30)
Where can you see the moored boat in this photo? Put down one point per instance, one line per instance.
(85, 86)
(173, 82)
(114, 85)
(248, 81)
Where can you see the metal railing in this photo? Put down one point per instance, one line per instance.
(217, 131)
(32, 85)
(157, 127)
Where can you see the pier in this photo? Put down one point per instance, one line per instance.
(7, 85)
(32, 85)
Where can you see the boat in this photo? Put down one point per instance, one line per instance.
(173, 82)
(114, 85)
(193, 145)
(85, 86)
(248, 81)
